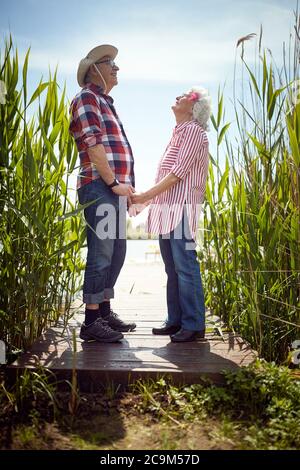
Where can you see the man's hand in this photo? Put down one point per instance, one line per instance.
(123, 190)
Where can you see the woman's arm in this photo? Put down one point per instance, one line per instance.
(166, 183)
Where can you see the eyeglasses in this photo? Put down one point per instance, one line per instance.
(111, 62)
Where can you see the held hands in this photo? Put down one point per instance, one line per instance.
(137, 204)
(128, 191)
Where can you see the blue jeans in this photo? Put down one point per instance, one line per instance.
(105, 256)
(185, 297)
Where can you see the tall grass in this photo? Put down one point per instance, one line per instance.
(39, 243)
(252, 215)
(251, 255)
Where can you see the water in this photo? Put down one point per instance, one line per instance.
(140, 251)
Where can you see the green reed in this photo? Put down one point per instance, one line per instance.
(251, 253)
(40, 266)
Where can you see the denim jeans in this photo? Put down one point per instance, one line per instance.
(185, 297)
(105, 254)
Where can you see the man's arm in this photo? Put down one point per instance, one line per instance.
(87, 124)
(98, 157)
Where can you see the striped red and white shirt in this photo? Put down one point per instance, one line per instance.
(187, 157)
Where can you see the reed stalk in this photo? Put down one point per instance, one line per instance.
(40, 264)
(251, 257)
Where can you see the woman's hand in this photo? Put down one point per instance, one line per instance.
(136, 209)
(139, 199)
(137, 203)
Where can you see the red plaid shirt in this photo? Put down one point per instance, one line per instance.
(94, 121)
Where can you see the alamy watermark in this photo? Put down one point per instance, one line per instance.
(112, 221)
(2, 352)
(3, 92)
(296, 352)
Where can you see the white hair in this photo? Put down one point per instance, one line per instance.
(202, 107)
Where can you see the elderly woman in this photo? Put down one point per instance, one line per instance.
(175, 207)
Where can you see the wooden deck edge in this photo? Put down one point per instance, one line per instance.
(91, 381)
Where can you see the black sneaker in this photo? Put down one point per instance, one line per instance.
(100, 331)
(166, 330)
(184, 336)
(117, 324)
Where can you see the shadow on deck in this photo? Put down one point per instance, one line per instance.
(139, 354)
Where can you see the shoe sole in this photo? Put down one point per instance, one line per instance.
(187, 340)
(102, 340)
(164, 334)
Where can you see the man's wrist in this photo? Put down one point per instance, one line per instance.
(113, 184)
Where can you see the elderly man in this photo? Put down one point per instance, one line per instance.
(106, 177)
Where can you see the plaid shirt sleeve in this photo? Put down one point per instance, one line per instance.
(191, 148)
(87, 121)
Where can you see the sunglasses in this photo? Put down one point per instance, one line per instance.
(111, 62)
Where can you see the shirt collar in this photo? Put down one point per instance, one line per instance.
(182, 125)
(98, 90)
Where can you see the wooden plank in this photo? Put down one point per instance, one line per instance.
(140, 354)
(136, 342)
(166, 367)
(85, 358)
(141, 338)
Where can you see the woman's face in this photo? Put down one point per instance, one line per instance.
(183, 104)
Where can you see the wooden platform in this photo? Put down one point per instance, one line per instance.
(140, 297)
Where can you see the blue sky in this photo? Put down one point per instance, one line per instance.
(164, 48)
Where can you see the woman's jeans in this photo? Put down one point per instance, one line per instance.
(185, 296)
(106, 240)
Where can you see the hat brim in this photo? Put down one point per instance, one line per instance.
(93, 56)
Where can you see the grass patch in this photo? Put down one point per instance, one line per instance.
(258, 407)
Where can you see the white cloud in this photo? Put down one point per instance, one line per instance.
(144, 56)
(173, 47)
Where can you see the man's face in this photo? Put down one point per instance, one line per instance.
(109, 71)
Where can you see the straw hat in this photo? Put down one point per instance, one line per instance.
(93, 56)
